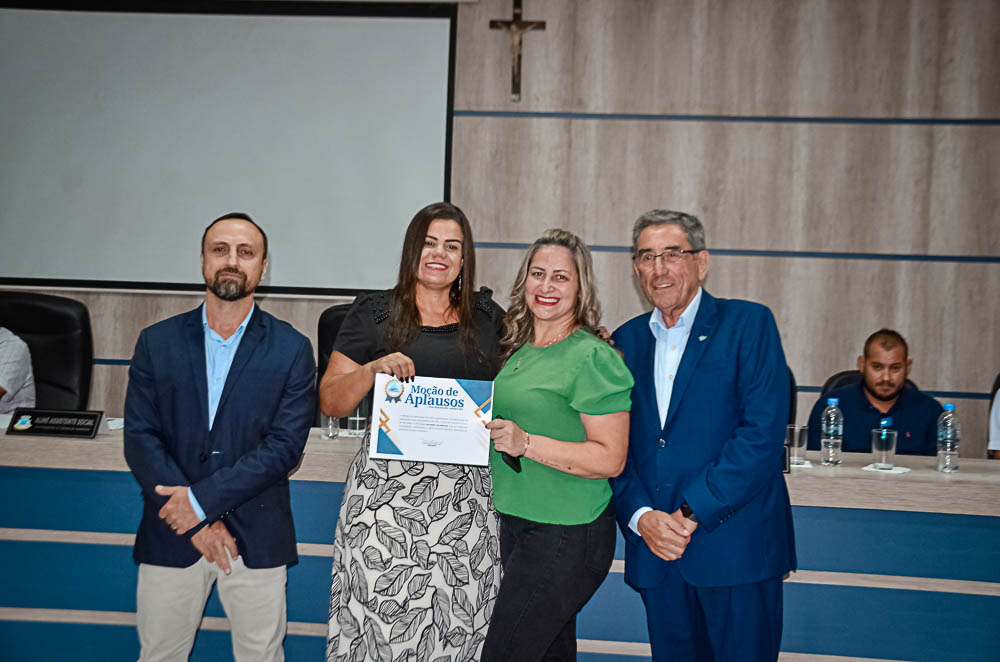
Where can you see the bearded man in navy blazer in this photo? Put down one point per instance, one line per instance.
(702, 501)
(218, 408)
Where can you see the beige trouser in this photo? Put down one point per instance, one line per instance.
(171, 602)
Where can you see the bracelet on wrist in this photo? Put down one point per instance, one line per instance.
(527, 443)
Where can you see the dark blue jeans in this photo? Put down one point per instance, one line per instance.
(549, 573)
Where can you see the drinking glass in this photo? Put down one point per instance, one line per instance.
(795, 438)
(331, 427)
(357, 420)
(883, 448)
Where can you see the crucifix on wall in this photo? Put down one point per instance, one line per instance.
(516, 27)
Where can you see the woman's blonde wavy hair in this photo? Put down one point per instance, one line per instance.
(587, 312)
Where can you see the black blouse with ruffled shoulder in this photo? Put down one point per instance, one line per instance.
(436, 351)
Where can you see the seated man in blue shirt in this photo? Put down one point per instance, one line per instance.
(882, 393)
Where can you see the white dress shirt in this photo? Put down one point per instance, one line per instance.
(670, 344)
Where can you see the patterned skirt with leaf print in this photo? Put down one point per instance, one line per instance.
(416, 563)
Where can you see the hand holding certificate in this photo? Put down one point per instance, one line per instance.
(431, 419)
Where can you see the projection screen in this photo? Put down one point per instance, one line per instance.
(124, 134)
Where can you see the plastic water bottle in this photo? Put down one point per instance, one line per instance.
(948, 435)
(831, 433)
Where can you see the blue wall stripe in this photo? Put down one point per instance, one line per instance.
(890, 624)
(63, 576)
(45, 575)
(48, 642)
(740, 252)
(112, 361)
(846, 540)
(967, 395)
(831, 255)
(963, 395)
(316, 507)
(893, 542)
(755, 119)
(66, 499)
(52, 642)
(819, 619)
(110, 502)
(614, 613)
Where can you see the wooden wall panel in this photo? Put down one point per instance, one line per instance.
(841, 187)
(511, 177)
(117, 317)
(853, 58)
(825, 309)
(891, 170)
(107, 389)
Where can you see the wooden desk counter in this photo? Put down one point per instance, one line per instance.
(324, 460)
(861, 560)
(973, 490)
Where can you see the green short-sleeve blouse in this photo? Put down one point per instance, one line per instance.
(544, 390)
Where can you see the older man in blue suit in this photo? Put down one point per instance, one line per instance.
(702, 500)
(217, 412)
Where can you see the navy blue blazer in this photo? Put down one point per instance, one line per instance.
(238, 470)
(721, 448)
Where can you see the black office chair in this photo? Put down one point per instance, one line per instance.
(793, 401)
(58, 334)
(329, 324)
(842, 378)
(845, 377)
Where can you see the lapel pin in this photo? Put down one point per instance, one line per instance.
(702, 338)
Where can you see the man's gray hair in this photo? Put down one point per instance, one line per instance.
(692, 227)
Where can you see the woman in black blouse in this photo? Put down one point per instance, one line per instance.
(415, 551)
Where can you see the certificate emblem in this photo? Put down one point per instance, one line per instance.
(393, 390)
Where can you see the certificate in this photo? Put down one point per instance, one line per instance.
(431, 419)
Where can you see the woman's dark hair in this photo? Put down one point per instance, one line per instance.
(404, 322)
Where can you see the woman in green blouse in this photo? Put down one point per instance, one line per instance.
(561, 406)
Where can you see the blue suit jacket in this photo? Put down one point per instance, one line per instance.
(720, 450)
(239, 469)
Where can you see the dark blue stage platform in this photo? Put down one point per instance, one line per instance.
(882, 584)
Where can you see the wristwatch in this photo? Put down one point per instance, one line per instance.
(687, 512)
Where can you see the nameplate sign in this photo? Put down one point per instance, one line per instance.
(55, 422)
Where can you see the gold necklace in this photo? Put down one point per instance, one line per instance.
(548, 344)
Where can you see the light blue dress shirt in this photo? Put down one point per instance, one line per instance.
(670, 344)
(219, 353)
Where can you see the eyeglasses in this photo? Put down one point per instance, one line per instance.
(669, 256)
